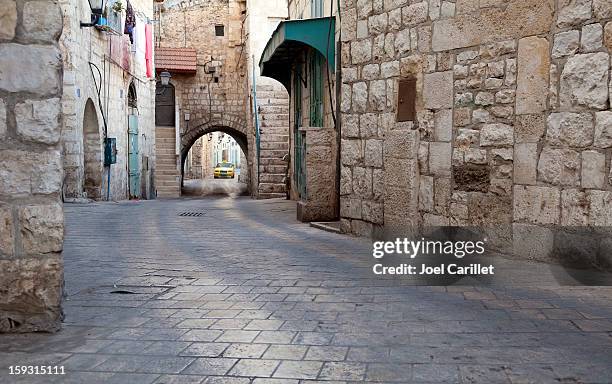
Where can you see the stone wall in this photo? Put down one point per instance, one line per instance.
(83, 161)
(31, 214)
(218, 99)
(513, 124)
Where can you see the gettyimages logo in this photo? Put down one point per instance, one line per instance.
(411, 248)
(431, 262)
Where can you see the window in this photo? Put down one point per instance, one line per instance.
(219, 30)
(316, 8)
(315, 85)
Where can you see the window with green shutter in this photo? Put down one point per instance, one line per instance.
(316, 8)
(315, 85)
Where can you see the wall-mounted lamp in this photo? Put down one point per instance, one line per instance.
(165, 78)
(187, 116)
(97, 7)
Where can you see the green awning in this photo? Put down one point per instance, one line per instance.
(289, 38)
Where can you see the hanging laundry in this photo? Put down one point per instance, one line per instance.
(149, 49)
(130, 21)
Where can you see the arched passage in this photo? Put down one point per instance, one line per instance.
(240, 138)
(92, 152)
(200, 154)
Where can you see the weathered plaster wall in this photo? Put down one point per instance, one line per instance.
(31, 214)
(80, 46)
(513, 119)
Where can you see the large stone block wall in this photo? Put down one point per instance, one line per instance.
(513, 119)
(31, 214)
(80, 46)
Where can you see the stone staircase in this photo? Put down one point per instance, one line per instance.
(167, 175)
(273, 103)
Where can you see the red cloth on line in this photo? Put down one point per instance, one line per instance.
(149, 49)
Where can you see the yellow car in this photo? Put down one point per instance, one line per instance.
(224, 170)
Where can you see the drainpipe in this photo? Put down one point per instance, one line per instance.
(339, 115)
(257, 133)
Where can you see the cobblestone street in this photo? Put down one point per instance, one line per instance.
(223, 290)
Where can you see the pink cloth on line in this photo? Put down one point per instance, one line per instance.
(149, 49)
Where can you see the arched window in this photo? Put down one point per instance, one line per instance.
(132, 97)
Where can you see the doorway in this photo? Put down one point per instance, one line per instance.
(92, 153)
(133, 154)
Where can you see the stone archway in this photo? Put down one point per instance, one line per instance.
(231, 125)
(92, 153)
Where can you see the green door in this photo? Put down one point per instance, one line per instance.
(133, 168)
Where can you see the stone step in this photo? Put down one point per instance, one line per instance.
(271, 188)
(165, 155)
(274, 116)
(261, 95)
(278, 153)
(270, 195)
(275, 178)
(167, 167)
(282, 130)
(165, 138)
(168, 184)
(274, 138)
(165, 151)
(271, 145)
(274, 123)
(274, 168)
(165, 133)
(276, 109)
(271, 161)
(166, 172)
(168, 194)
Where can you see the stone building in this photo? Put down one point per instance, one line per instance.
(107, 94)
(214, 90)
(492, 114)
(31, 214)
(201, 44)
(301, 55)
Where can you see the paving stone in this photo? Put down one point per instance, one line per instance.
(179, 379)
(264, 325)
(205, 349)
(201, 335)
(326, 353)
(343, 371)
(238, 336)
(286, 352)
(245, 351)
(254, 368)
(276, 337)
(210, 366)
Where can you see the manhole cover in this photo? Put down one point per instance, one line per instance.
(191, 214)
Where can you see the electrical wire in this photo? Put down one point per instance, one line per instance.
(331, 104)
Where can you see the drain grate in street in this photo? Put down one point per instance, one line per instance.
(191, 214)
